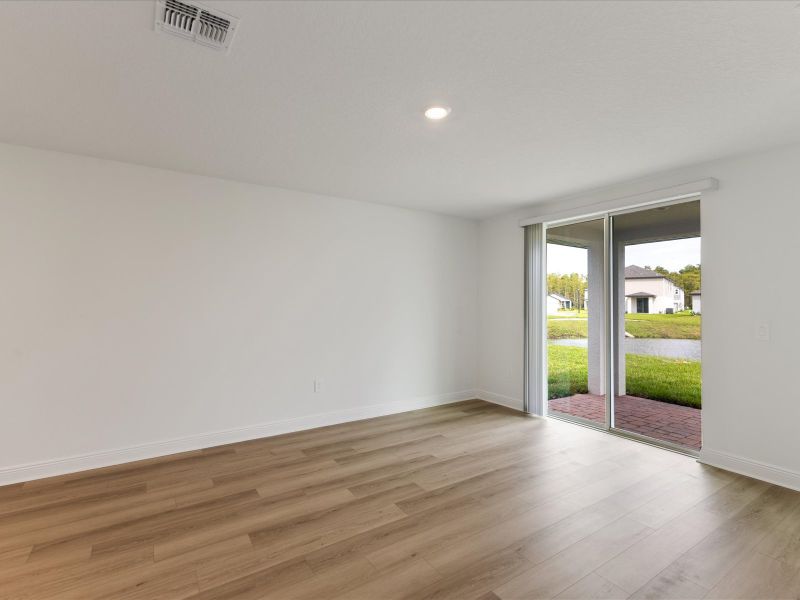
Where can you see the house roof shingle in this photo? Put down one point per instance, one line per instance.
(558, 297)
(637, 272)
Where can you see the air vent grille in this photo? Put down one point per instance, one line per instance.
(179, 15)
(213, 27)
(195, 22)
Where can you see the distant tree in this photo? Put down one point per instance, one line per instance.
(687, 279)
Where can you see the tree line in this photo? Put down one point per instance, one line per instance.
(574, 285)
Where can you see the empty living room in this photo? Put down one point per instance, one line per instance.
(402, 299)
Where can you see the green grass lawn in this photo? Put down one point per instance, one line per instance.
(679, 326)
(568, 314)
(666, 379)
(562, 329)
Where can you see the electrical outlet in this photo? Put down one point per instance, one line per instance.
(317, 386)
(762, 331)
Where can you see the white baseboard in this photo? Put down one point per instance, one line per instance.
(107, 458)
(506, 401)
(751, 468)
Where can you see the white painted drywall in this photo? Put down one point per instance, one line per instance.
(751, 401)
(140, 306)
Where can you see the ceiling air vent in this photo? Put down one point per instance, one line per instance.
(195, 22)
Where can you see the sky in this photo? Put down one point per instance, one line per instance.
(672, 255)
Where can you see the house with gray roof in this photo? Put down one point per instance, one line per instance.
(557, 302)
(647, 291)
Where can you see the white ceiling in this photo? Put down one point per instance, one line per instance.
(547, 98)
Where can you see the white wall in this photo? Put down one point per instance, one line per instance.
(142, 306)
(751, 401)
(150, 309)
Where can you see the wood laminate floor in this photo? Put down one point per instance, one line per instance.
(463, 501)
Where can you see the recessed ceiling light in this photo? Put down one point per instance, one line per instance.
(436, 113)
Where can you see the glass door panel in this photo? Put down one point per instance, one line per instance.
(655, 255)
(576, 322)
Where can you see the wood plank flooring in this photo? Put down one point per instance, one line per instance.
(463, 501)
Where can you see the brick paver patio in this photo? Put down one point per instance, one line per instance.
(659, 420)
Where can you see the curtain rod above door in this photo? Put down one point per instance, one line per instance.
(675, 192)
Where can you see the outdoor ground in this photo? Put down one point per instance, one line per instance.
(672, 380)
(668, 422)
(679, 326)
(662, 394)
(667, 379)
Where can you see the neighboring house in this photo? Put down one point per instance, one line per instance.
(696, 302)
(647, 291)
(556, 302)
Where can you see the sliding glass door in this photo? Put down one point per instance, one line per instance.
(623, 323)
(576, 322)
(657, 267)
